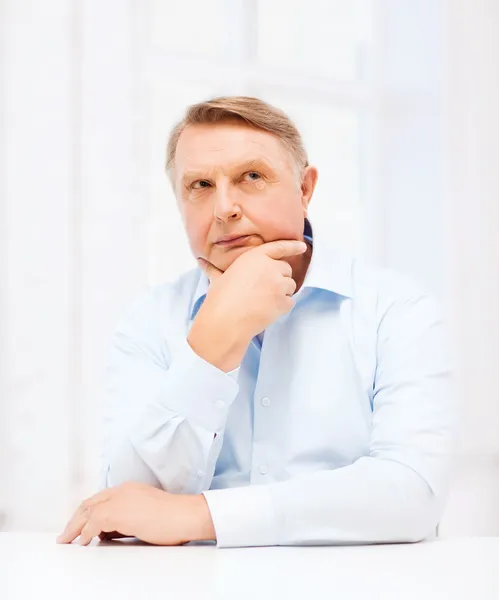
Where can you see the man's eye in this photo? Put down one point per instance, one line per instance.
(253, 176)
(198, 185)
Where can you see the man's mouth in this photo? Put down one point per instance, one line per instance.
(232, 241)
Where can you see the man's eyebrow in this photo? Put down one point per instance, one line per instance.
(248, 165)
(188, 175)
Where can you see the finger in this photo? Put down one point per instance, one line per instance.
(80, 517)
(99, 522)
(74, 527)
(283, 248)
(91, 529)
(289, 286)
(285, 268)
(211, 271)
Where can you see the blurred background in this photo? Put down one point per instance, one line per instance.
(398, 103)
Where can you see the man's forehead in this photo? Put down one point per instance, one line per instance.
(208, 147)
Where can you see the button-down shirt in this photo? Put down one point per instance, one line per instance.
(335, 429)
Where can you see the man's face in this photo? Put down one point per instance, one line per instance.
(235, 181)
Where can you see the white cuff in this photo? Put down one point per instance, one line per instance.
(243, 516)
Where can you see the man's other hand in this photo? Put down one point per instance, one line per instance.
(141, 511)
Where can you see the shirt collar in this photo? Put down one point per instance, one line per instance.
(328, 270)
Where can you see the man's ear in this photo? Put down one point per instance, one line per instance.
(308, 183)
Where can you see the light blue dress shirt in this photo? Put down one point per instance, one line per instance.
(335, 429)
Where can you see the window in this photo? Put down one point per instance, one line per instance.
(310, 61)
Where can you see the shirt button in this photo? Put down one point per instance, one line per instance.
(219, 403)
(265, 401)
(200, 474)
(263, 470)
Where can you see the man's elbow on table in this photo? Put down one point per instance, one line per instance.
(420, 510)
(422, 523)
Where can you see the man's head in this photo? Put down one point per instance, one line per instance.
(239, 168)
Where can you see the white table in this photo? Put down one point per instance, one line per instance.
(33, 566)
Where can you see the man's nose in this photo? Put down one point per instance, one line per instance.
(226, 208)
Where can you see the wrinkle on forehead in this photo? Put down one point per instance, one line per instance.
(209, 147)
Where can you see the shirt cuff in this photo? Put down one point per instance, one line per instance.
(198, 391)
(243, 516)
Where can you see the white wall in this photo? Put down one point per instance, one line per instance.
(73, 248)
(436, 186)
(88, 92)
(37, 316)
(472, 211)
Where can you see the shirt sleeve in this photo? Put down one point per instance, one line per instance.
(397, 492)
(164, 416)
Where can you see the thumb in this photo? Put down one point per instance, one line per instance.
(211, 271)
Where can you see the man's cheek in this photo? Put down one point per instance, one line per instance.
(197, 242)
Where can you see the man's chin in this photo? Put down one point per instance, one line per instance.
(223, 259)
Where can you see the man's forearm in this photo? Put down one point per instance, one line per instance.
(219, 344)
(371, 501)
(180, 411)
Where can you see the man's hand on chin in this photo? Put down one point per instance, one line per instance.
(141, 511)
